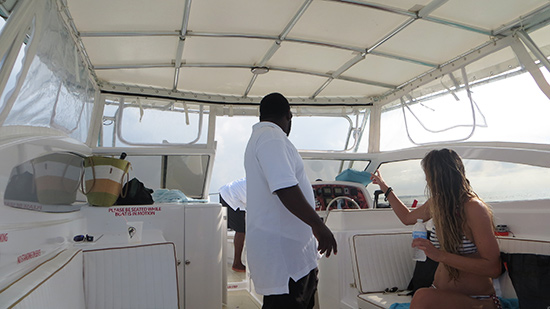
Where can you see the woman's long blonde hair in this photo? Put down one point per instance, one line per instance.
(449, 190)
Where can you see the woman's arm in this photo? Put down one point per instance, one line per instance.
(406, 216)
(479, 222)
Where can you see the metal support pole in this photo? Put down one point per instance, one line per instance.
(526, 39)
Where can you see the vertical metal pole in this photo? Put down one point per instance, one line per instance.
(95, 131)
(526, 39)
(181, 43)
(374, 131)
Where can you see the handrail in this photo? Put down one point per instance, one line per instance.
(118, 123)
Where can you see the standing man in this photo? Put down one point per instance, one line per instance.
(233, 196)
(281, 220)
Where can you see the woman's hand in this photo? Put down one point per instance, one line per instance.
(377, 179)
(428, 248)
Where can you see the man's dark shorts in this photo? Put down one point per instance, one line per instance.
(301, 294)
(235, 218)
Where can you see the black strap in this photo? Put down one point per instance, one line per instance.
(387, 193)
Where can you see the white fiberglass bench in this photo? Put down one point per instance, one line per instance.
(384, 260)
(381, 261)
(55, 283)
(118, 274)
(109, 273)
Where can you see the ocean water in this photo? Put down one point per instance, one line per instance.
(408, 200)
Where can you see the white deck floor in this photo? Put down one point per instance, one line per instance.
(233, 276)
(238, 298)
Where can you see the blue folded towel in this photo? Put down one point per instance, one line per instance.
(352, 175)
(507, 303)
(173, 196)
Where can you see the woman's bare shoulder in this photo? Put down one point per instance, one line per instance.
(476, 208)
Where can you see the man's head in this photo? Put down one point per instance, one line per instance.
(274, 107)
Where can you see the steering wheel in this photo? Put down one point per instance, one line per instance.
(343, 197)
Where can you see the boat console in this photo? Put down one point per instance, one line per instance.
(340, 195)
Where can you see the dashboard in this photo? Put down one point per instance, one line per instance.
(326, 191)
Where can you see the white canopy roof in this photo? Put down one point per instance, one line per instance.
(315, 51)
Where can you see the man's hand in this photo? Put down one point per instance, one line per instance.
(327, 242)
(293, 199)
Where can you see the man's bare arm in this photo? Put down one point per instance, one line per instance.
(295, 201)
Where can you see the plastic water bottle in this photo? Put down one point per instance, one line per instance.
(419, 231)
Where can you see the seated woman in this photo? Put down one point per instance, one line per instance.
(463, 243)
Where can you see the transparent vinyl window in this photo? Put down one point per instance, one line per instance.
(146, 126)
(56, 91)
(327, 170)
(496, 181)
(508, 108)
(10, 85)
(407, 180)
(319, 133)
(232, 134)
(493, 181)
(307, 133)
(186, 173)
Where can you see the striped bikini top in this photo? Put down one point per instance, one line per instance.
(468, 247)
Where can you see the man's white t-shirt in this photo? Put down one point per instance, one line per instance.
(279, 245)
(234, 193)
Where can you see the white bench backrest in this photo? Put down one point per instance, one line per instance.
(141, 276)
(518, 245)
(382, 261)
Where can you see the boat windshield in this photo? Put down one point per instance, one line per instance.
(491, 180)
(483, 102)
(509, 110)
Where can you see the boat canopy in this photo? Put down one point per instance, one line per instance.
(76, 66)
(316, 52)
